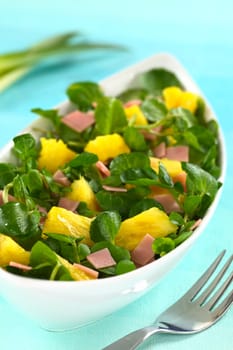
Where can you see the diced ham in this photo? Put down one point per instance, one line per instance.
(143, 253)
(181, 177)
(102, 168)
(101, 259)
(90, 272)
(168, 202)
(20, 266)
(160, 150)
(114, 189)
(196, 224)
(10, 198)
(130, 103)
(60, 178)
(180, 153)
(79, 121)
(68, 203)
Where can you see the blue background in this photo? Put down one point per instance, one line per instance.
(200, 34)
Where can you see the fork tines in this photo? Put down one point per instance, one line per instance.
(204, 298)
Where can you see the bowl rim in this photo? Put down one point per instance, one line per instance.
(127, 74)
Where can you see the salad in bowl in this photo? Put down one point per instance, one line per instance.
(106, 187)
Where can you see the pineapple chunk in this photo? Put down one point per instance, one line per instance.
(175, 97)
(107, 146)
(152, 221)
(60, 220)
(54, 153)
(134, 112)
(189, 101)
(173, 167)
(172, 96)
(12, 251)
(81, 191)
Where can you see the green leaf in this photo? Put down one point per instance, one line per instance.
(135, 139)
(133, 94)
(127, 161)
(85, 159)
(46, 264)
(163, 245)
(153, 110)
(26, 150)
(125, 266)
(139, 176)
(155, 80)
(84, 94)
(176, 218)
(105, 226)
(51, 114)
(20, 224)
(110, 116)
(7, 173)
(164, 177)
(143, 205)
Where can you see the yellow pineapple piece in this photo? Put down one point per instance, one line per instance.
(152, 221)
(60, 220)
(175, 97)
(107, 146)
(173, 167)
(76, 273)
(189, 101)
(12, 251)
(54, 154)
(172, 96)
(134, 112)
(81, 191)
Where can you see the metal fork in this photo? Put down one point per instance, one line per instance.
(194, 312)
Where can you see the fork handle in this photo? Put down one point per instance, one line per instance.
(132, 340)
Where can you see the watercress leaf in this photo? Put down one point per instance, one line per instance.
(83, 160)
(33, 180)
(139, 176)
(153, 109)
(110, 116)
(163, 245)
(84, 94)
(185, 115)
(7, 173)
(209, 162)
(127, 161)
(25, 147)
(134, 139)
(164, 177)
(45, 263)
(118, 253)
(203, 135)
(20, 224)
(143, 205)
(83, 209)
(83, 251)
(50, 114)
(105, 226)
(21, 192)
(199, 181)
(133, 94)
(113, 201)
(155, 80)
(182, 237)
(176, 218)
(125, 266)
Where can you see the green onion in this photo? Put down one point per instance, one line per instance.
(15, 65)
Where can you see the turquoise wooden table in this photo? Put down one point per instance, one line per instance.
(200, 34)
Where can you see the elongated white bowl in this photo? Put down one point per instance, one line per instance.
(65, 305)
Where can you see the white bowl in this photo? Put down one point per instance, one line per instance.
(62, 305)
